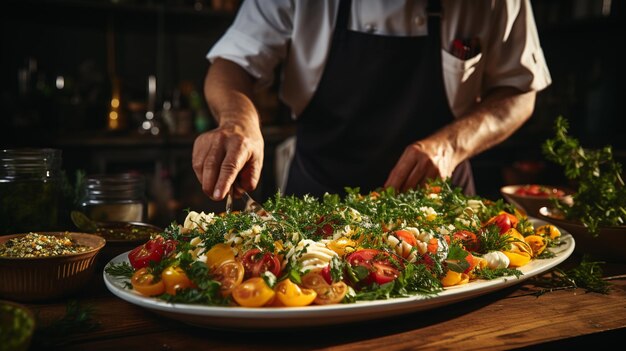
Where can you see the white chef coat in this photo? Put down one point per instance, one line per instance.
(297, 33)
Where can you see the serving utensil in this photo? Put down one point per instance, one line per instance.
(251, 205)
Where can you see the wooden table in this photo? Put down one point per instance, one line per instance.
(511, 318)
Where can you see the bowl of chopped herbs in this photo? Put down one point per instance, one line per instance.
(596, 214)
(39, 266)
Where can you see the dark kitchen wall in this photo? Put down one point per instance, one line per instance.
(580, 40)
(94, 44)
(88, 42)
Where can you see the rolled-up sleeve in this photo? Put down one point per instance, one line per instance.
(515, 56)
(258, 38)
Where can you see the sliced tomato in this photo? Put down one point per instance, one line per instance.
(324, 228)
(219, 254)
(325, 272)
(175, 279)
(539, 191)
(472, 263)
(229, 274)
(384, 272)
(326, 293)
(468, 239)
(406, 236)
(151, 251)
(378, 263)
(253, 292)
(433, 245)
(145, 283)
(292, 295)
(257, 262)
(504, 221)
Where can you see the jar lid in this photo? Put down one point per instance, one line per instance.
(122, 186)
(30, 162)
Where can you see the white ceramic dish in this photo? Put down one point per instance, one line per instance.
(294, 317)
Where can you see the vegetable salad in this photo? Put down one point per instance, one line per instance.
(316, 251)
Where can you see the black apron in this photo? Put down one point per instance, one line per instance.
(377, 95)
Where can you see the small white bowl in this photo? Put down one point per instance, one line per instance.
(530, 204)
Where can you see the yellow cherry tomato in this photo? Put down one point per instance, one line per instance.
(451, 278)
(292, 295)
(326, 293)
(175, 279)
(548, 230)
(537, 243)
(145, 283)
(342, 245)
(253, 292)
(219, 254)
(230, 275)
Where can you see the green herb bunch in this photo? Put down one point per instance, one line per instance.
(600, 199)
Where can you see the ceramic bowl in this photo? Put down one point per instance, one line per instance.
(123, 236)
(608, 245)
(530, 204)
(50, 277)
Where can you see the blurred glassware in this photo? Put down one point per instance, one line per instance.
(31, 188)
(115, 197)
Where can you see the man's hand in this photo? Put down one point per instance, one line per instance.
(420, 161)
(493, 120)
(234, 150)
(225, 154)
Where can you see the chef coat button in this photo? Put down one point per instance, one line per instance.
(370, 28)
(419, 20)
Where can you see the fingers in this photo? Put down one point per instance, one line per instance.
(219, 159)
(413, 168)
(232, 163)
(207, 157)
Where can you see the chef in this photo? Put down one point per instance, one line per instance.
(384, 93)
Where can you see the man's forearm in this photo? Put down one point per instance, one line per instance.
(492, 121)
(228, 91)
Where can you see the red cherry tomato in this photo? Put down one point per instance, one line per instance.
(324, 227)
(468, 239)
(377, 262)
(325, 272)
(472, 263)
(504, 221)
(151, 251)
(539, 190)
(257, 262)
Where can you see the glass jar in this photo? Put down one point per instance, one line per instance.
(31, 185)
(115, 198)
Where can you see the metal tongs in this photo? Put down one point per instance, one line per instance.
(251, 205)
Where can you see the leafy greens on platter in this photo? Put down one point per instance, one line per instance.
(330, 250)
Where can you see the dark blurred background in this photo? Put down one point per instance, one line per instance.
(117, 85)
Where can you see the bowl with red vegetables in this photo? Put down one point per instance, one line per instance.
(529, 198)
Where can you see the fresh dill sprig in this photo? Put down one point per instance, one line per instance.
(77, 319)
(122, 269)
(587, 275)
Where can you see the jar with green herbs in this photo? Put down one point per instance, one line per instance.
(31, 190)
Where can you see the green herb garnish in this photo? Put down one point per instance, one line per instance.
(77, 319)
(123, 269)
(600, 199)
(588, 276)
